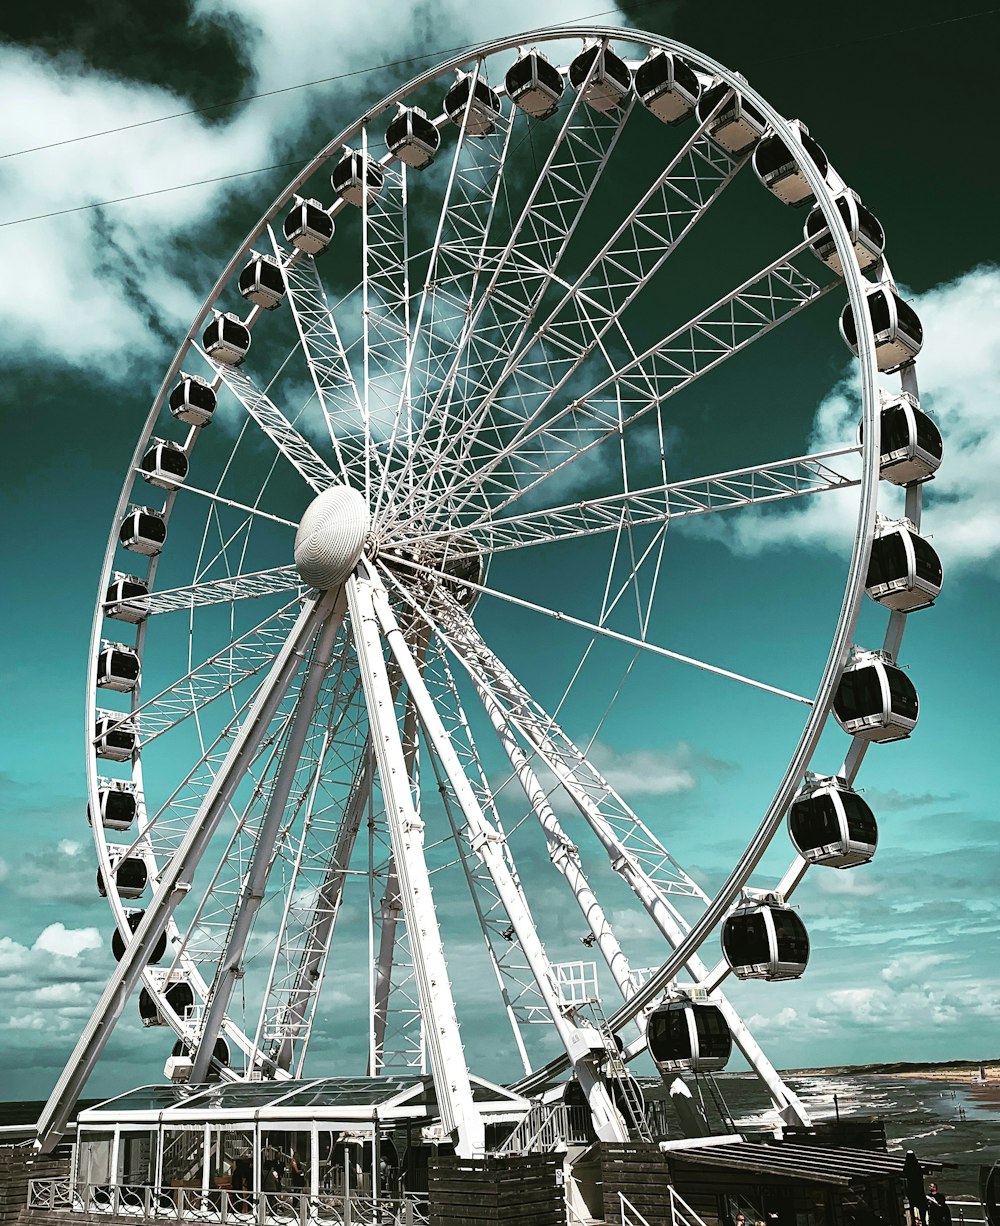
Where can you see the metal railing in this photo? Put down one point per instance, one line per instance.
(222, 1205)
(681, 1213)
(630, 1215)
(548, 1127)
(967, 1213)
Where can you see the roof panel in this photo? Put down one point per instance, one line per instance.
(840, 1166)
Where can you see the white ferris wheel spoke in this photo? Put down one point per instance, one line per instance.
(326, 357)
(511, 296)
(386, 337)
(543, 447)
(277, 580)
(220, 674)
(658, 504)
(606, 632)
(456, 261)
(542, 361)
(230, 966)
(300, 453)
(187, 488)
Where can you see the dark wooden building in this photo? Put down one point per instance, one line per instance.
(789, 1184)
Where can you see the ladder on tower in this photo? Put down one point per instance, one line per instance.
(624, 1088)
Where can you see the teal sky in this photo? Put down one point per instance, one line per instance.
(904, 961)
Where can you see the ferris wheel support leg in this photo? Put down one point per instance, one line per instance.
(581, 785)
(252, 892)
(582, 1043)
(392, 904)
(331, 894)
(459, 1114)
(175, 881)
(562, 851)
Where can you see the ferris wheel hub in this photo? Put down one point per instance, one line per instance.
(331, 537)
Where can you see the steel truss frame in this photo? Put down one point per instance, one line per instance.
(449, 410)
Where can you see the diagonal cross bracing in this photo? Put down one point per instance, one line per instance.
(301, 454)
(329, 366)
(658, 504)
(226, 590)
(541, 364)
(543, 445)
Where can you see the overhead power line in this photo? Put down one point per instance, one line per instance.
(271, 93)
(17, 221)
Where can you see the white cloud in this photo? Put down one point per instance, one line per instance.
(100, 288)
(857, 885)
(907, 969)
(66, 942)
(959, 372)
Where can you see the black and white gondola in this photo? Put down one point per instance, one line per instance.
(875, 700)
(308, 226)
(134, 919)
(143, 530)
(667, 87)
(904, 571)
(179, 1062)
(603, 77)
(357, 178)
(899, 334)
(116, 804)
(778, 165)
(262, 282)
(227, 339)
(193, 400)
(483, 109)
(165, 464)
(115, 736)
(737, 126)
(765, 939)
(117, 668)
(412, 138)
(683, 1033)
(130, 874)
(126, 599)
(863, 229)
(179, 998)
(534, 85)
(910, 444)
(831, 825)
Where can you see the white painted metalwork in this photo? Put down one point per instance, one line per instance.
(494, 380)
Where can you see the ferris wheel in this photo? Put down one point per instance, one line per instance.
(369, 573)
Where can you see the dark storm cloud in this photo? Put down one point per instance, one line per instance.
(198, 57)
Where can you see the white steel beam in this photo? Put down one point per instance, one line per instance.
(251, 895)
(580, 1043)
(225, 591)
(623, 836)
(459, 1113)
(175, 880)
(659, 504)
(302, 456)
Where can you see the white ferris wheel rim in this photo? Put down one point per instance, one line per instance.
(854, 588)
